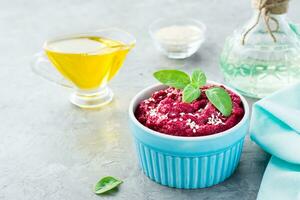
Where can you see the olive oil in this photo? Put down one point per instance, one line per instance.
(87, 61)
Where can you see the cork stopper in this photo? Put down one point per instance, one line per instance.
(273, 6)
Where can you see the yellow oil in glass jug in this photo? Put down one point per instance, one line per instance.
(87, 62)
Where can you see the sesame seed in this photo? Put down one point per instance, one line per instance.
(152, 112)
(163, 117)
(192, 124)
(215, 120)
(151, 99)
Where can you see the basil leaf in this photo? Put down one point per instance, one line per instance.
(220, 98)
(190, 93)
(173, 78)
(199, 78)
(106, 184)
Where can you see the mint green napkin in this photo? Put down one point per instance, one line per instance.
(281, 181)
(275, 127)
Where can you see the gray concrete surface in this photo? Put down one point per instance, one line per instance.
(50, 149)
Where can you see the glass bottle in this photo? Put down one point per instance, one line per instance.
(264, 55)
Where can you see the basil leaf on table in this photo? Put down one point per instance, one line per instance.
(106, 184)
(190, 93)
(198, 77)
(173, 78)
(220, 98)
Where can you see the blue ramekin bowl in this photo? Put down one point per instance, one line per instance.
(187, 162)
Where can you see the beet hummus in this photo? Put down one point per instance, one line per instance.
(165, 112)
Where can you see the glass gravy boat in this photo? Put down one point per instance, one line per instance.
(85, 62)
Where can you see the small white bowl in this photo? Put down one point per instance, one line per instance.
(177, 38)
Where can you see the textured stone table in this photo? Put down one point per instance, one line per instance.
(50, 149)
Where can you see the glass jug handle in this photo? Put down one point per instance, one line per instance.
(41, 66)
(295, 28)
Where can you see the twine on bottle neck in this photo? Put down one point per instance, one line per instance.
(265, 8)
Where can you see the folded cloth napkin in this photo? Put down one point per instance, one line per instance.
(275, 127)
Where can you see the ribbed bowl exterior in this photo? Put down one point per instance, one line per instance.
(187, 162)
(188, 172)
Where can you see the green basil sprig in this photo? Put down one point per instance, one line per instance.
(198, 77)
(220, 99)
(173, 78)
(106, 184)
(190, 93)
(218, 96)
